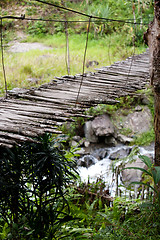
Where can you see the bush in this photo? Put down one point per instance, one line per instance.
(33, 178)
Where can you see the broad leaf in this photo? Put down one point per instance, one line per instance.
(156, 174)
(141, 169)
(146, 160)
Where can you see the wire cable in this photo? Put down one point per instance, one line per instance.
(72, 21)
(84, 60)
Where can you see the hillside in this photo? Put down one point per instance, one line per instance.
(138, 12)
(109, 41)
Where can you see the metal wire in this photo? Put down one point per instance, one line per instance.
(132, 59)
(84, 60)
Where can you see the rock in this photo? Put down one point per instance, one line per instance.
(77, 138)
(91, 63)
(89, 134)
(138, 108)
(102, 126)
(132, 175)
(144, 99)
(77, 141)
(124, 139)
(121, 153)
(139, 122)
(86, 161)
(86, 144)
(80, 151)
(100, 153)
(33, 80)
(110, 141)
(73, 143)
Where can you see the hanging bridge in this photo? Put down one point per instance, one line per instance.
(28, 113)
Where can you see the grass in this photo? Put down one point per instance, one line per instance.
(36, 67)
(145, 138)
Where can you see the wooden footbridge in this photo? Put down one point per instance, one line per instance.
(26, 114)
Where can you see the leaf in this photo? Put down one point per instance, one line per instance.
(81, 230)
(141, 169)
(30, 233)
(156, 174)
(146, 160)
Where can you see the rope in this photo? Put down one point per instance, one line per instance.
(84, 60)
(72, 21)
(3, 66)
(134, 49)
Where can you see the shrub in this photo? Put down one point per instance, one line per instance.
(33, 177)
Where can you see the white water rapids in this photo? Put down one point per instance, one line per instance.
(103, 168)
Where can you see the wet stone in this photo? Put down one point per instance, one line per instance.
(86, 161)
(121, 153)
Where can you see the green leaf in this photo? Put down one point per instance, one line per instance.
(30, 233)
(81, 230)
(146, 160)
(156, 174)
(141, 169)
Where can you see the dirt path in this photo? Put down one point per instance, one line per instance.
(18, 47)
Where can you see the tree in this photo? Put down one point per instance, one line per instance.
(152, 38)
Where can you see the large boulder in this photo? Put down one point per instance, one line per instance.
(89, 133)
(102, 126)
(132, 175)
(138, 121)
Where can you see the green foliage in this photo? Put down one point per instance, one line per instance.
(27, 69)
(144, 138)
(125, 220)
(101, 109)
(37, 28)
(126, 131)
(33, 178)
(149, 94)
(127, 102)
(153, 172)
(75, 128)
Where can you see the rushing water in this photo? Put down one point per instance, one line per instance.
(104, 168)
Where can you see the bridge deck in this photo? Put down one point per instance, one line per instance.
(28, 113)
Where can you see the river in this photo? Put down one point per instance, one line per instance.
(104, 168)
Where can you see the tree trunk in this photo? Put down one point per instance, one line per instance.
(152, 38)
